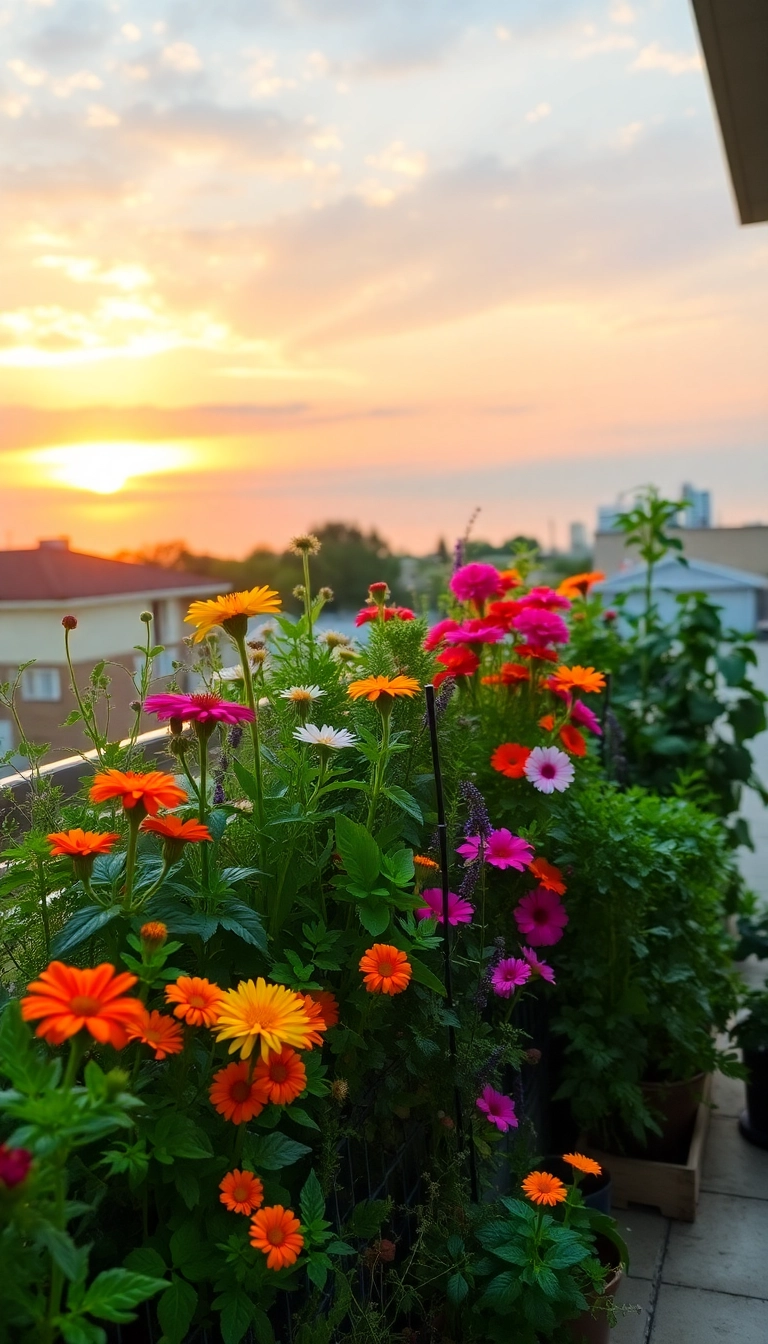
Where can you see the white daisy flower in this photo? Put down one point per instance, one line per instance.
(228, 674)
(331, 738)
(302, 695)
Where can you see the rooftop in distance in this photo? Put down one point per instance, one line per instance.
(51, 572)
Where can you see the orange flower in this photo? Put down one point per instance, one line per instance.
(242, 1192)
(197, 1001)
(582, 1163)
(511, 578)
(231, 611)
(423, 861)
(370, 688)
(573, 740)
(235, 1096)
(547, 875)
(173, 828)
(317, 1021)
(512, 673)
(509, 759)
(68, 1000)
(578, 585)
(386, 970)
(282, 1076)
(153, 934)
(544, 1189)
(147, 792)
(275, 1232)
(547, 722)
(577, 679)
(328, 1005)
(81, 844)
(161, 1032)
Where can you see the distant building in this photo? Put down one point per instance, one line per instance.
(608, 516)
(579, 542)
(38, 587)
(699, 511)
(742, 597)
(744, 548)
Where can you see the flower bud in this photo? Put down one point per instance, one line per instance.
(326, 594)
(14, 1166)
(69, 623)
(135, 706)
(176, 726)
(533, 1056)
(300, 592)
(153, 934)
(340, 1090)
(146, 617)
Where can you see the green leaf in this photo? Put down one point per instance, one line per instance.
(181, 920)
(177, 1136)
(404, 800)
(318, 1265)
(747, 718)
(262, 1327)
(189, 1251)
(502, 1292)
(423, 976)
(70, 1258)
(301, 1117)
(188, 1186)
(145, 1260)
(83, 924)
(236, 1314)
(367, 1218)
(374, 917)
(566, 1253)
(360, 854)
(74, 1330)
(311, 1200)
(273, 1151)
(398, 867)
(114, 1291)
(176, 1309)
(21, 1058)
(456, 1289)
(239, 918)
(247, 781)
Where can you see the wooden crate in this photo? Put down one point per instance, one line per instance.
(672, 1187)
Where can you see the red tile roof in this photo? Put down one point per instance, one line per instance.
(53, 573)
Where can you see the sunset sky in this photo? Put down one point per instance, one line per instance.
(270, 262)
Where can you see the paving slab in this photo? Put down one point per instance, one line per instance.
(631, 1329)
(724, 1250)
(687, 1314)
(645, 1233)
(728, 1095)
(732, 1166)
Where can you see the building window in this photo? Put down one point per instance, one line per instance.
(6, 736)
(41, 683)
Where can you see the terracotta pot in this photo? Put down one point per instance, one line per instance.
(753, 1123)
(589, 1329)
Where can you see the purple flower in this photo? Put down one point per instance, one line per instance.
(459, 911)
(478, 819)
(538, 968)
(501, 849)
(540, 626)
(498, 1109)
(509, 975)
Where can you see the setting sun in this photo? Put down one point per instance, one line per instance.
(106, 467)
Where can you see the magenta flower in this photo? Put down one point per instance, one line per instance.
(541, 627)
(476, 583)
(480, 631)
(585, 717)
(498, 1109)
(509, 975)
(14, 1166)
(545, 598)
(197, 708)
(548, 768)
(538, 968)
(459, 911)
(541, 917)
(501, 849)
(438, 632)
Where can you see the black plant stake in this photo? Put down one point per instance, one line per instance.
(442, 840)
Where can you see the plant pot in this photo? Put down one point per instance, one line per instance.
(674, 1106)
(589, 1329)
(753, 1122)
(596, 1190)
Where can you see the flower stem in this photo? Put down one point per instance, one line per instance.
(89, 719)
(308, 604)
(202, 747)
(381, 765)
(254, 726)
(44, 907)
(134, 821)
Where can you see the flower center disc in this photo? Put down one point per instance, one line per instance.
(385, 968)
(240, 1091)
(275, 1236)
(279, 1073)
(84, 1005)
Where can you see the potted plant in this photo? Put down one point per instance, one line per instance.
(751, 1034)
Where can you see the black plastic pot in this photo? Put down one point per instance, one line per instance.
(753, 1122)
(596, 1190)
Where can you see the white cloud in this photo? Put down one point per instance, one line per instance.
(99, 116)
(327, 139)
(82, 79)
(13, 106)
(182, 56)
(503, 34)
(26, 73)
(621, 12)
(653, 57)
(41, 4)
(266, 81)
(539, 112)
(628, 135)
(130, 32)
(600, 46)
(88, 271)
(397, 159)
(316, 65)
(136, 73)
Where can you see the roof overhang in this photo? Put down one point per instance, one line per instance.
(56, 604)
(734, 37)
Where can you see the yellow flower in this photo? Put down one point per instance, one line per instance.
(373, 687)
(205, 616)
(270, 1012)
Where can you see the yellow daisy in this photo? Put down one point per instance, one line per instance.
(269, 1013)
(205, 616)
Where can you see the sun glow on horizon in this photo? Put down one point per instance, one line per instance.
(105, 467)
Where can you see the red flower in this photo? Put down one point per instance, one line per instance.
(502, 613)
(536, 651)
(573, 740)
(458, 661)
(510, 758)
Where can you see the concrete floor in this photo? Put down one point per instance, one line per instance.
(707, 1282)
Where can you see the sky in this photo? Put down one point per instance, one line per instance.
(265, 263)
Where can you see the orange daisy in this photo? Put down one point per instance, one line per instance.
(231, 611)
(160, 1032)
(370, 688)
(544, 1189)
(509, 759)
(197, 1000)
(81, 844)
(573, 740)
(275, 1232)
(547, 722)
(147, 792)
(578, 679)
(582, 1163)
(242, 1192)
(317, 1021)
(236, 1096)
(328, 1005)
(282, 1075)
(386, 970)
(173, 828)
(578, 585)
(547, 875)
(68, 1000)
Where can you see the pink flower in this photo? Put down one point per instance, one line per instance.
(438, 632)
(14, 1166)
(498, 1109)
(476, 583)
(509, 975)
(366, 614)
(545, 598)
(538, 968)
(548, 768)
(501, 849)
(541, 627)
(459, 911)
(197, 708)
(478, 631)
(541, 917)
(585, 717)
